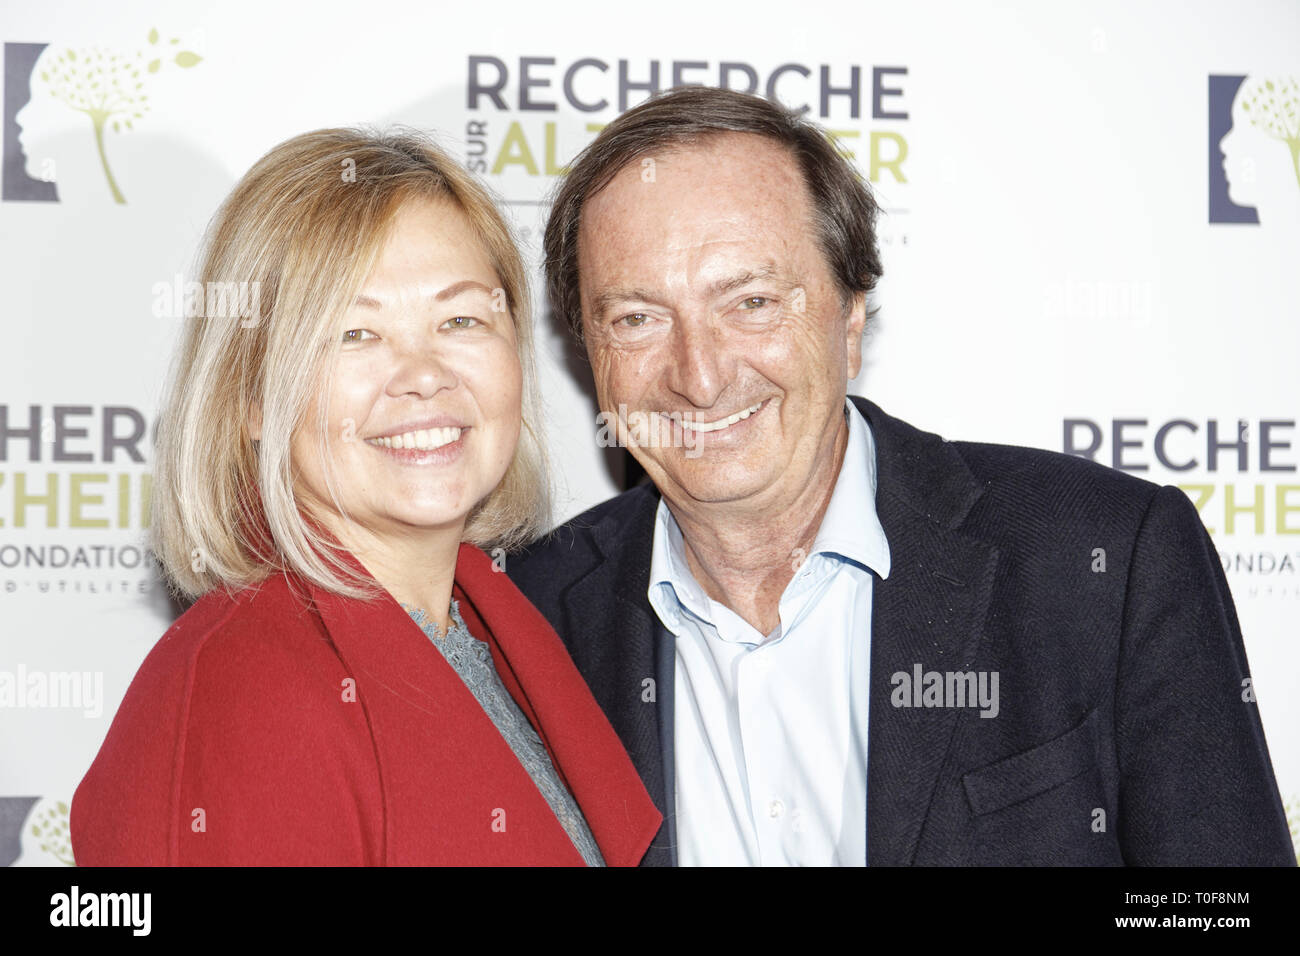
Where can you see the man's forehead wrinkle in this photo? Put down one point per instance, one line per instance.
(695, 269)
(712, 266)
(651, 240)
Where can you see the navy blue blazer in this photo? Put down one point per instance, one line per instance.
(1125, 732)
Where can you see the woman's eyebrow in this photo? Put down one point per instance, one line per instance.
(456, 288)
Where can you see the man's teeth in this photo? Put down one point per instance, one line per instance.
(425, 439)
(721, 422)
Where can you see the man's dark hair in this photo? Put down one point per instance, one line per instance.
(844, 211)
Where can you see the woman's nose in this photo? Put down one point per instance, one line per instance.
(422, 372)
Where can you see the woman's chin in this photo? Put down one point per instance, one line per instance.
(433, 521)
(404, 525)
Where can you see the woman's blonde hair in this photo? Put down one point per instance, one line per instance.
(292, 245)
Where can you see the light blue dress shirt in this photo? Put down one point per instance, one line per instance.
(770, 731)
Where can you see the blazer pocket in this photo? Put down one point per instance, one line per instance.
(1035, 771)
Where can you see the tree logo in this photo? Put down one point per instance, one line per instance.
(111, 88)
(1274, 109)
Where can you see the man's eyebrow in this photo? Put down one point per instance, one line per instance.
(453, 290)
(608, 298)
(732, 283)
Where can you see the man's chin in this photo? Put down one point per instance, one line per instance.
(705, 483)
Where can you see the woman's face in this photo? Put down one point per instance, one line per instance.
(424, 412)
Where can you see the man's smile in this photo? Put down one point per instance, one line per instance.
(690, 425)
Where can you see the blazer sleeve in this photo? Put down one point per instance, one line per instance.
(280, 760)
(252, 753)
(1196, 782)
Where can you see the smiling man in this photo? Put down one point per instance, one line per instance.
(824, 636)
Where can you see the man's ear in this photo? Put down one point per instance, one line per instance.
(857, 321)
(255, 421)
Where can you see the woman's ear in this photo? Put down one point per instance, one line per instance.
(255, 421)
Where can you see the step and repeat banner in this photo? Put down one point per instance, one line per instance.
(1091, 245)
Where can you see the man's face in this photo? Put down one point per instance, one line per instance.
(706, 297)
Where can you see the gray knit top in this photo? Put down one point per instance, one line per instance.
(472, 660)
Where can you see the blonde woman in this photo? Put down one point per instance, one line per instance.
(356, 683)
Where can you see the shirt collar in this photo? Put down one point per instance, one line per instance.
(850, 529)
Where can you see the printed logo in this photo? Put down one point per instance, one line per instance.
(528, 116)
(44, 86)
(1254, 155)
(1242, 475)
(34, 832)
(15, 182)
(82, 469)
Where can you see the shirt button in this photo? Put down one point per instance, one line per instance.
(775, 809)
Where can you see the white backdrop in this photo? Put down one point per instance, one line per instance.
(1061, 183)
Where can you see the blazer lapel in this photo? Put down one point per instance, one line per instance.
(397, 669)
(630, 670)
(584, 749)
(435, 747)
(928, 612)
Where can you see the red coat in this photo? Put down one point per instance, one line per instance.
(240, 741)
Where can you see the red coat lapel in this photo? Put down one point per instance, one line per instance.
(538, 671)
(446, 770)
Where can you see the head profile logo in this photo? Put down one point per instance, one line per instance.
(108, 88)
(1254, 149)
(34, 831)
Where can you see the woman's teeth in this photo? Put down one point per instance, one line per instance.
(425, 439)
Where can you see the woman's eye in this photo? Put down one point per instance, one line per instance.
(358, 335)
(754, 302)
(460, 322)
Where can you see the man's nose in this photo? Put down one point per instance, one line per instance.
(698, 362)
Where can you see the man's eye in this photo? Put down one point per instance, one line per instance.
(754, 302)
(635, 320)
(358, 335)
(460, 322)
